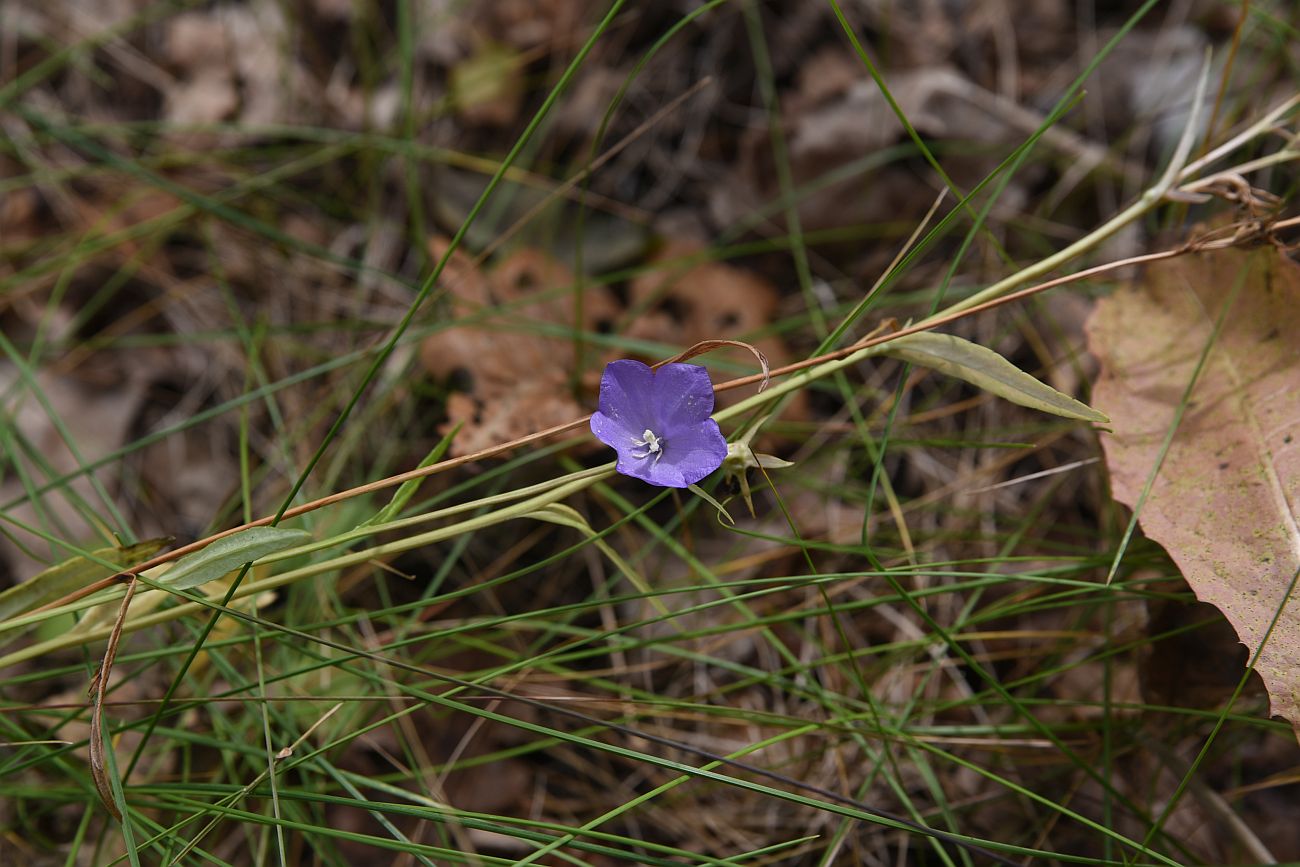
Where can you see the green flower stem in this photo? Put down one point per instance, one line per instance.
(537, 490)
(797, 381)
(559, 490)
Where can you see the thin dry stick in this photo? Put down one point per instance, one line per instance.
(705, 346)
(98, 753)
(1242, 17)
(753, 379)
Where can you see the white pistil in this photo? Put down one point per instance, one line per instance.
(652, 444)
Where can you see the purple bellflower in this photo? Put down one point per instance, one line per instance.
(658, 422)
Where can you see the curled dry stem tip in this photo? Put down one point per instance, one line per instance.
(717, 343)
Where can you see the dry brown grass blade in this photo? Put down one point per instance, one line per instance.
(98, 765)
(709, 345)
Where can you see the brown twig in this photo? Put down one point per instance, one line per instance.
(98, 752)
(709, 345)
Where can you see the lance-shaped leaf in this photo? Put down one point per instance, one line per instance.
(71, 575)
(985, 369)
(1207, 453)
(217, 561)
(225, 555)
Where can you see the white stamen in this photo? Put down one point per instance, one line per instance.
(652, 444)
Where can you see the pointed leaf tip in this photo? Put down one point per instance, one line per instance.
(228, 554)
(985, 369)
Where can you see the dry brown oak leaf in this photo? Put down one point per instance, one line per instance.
(1224, 501)
(517, 378)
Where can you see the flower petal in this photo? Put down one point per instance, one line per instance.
(627, 396)
(683, 395)
(613, 433)
(695, 450)
(661, 473)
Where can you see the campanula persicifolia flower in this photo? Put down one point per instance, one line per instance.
(658, 422)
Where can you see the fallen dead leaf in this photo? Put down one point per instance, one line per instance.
(97, 416)
(529, 23)
(835, 127)
(195, 40)
(209, 97)
(487, 88)
(702, 299)
(198, 47)
(274, 86)
(516, 380)
(1223, 502)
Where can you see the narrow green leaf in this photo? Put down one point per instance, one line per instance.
(984, 368)
(708, 498)
(408, 488)
(58, 581)
(567, 516)
(228, 554)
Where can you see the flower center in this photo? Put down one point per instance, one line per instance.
(652, 444)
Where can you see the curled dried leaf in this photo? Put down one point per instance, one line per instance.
(709, 345)
(98, 756)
